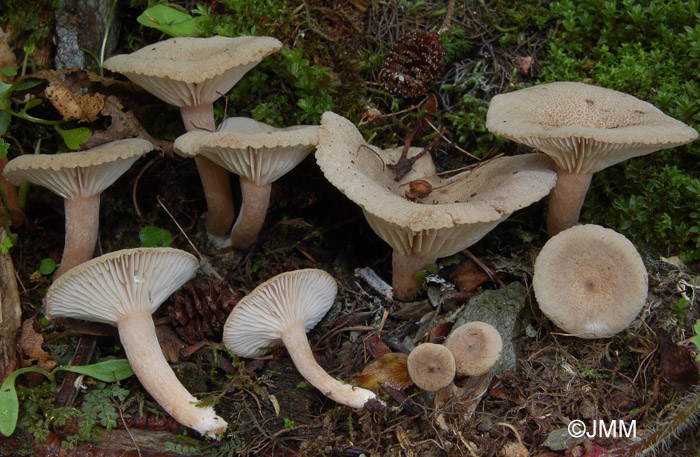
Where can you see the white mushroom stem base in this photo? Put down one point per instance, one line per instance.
(138, 336)
(566, 200)
(82, 227)
(215, 179)
(251, 217)
(403, 270)
(297, 344)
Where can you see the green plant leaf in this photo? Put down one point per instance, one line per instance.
(696, 338)
(9, 71)
(47, 266)
(108, 371)
(152, 237)
(74, 137)
(4, 145)
(9, 403)
(171, 21)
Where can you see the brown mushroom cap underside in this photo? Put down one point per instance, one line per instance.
(590, 281)
(109, 287)
(251, 149)
(255, 325)
(188, 71)
(73, 174)
(584, 128)
(471, 202)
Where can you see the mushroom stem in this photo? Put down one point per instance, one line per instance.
(215, 179)
(294, 338)
(404, 268)
(566, 200)
(82, 226)
(138, 336)
(255, 200)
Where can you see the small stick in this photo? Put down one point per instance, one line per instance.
(375, 282)
(136, 183)
(218, 276)
(486, 269)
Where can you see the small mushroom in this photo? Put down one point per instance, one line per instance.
(80, 178)
(260, 154)
(476, 347)
(584, 128)
(124, 288)
(282, 310)
(590, 281)
(431, 366)
(457, 213)
(191, 73)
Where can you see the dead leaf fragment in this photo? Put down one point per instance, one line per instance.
(32, 345)
(523, 64)
(389, 369)
(468, 276)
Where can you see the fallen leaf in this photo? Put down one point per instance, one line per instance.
(468, 276)
(678, 367)
(31, 343)
(375, 347)
(389, 369)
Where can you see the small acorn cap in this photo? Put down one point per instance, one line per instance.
(431, 366)
(476, 346)
(191, 71)
(590, 281)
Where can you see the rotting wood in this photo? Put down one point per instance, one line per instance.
(10, 312)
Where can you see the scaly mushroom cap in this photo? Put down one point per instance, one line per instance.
(584, 128)
(78, 174)
(255, 325)
(109, 287)
(590, 281)
(257, 151)
(431, 366)
(451, 218)
(191, 71)
(476, 346)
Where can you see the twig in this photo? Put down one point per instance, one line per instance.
(447, 23)
(375, 282)
(486, 269)
(211, 268)
(128, 432)
(136, 184)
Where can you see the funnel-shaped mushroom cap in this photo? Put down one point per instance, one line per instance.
(189, 71)
(78, 174)
(590, 281)
(476, 346)
(252, 149)
(458, 212)
(256, 323)
(584, 128)
(431, 366)
(109, 287)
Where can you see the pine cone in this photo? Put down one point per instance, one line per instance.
(414, 65)
(200, 310)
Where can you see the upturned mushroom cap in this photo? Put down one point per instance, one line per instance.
(590, 281)
(255, 325)
(109, 287)
(584, 128)
(78, 174)
(257, 151)
(476, 346)
(191, 71)
(431, 366)
(451, 218)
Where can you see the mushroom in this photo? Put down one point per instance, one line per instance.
(260, 154)
(584, 128)
(431, 366)
(590, 281)
(476, 347)
(282, 310)
(191, 73)
(457, 213)
(124, 288)
(80, 178)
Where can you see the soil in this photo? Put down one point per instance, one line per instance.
(271, 410)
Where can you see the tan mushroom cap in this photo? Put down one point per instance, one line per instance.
(191, 71)
(584, 128)
(431, 366)
(461, 212)
(476, 346)
(257, 151)
(255, 325)
(590, 281)
(111, 286)
(78, 174)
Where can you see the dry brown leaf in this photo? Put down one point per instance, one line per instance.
(468, 276)
(31, 343)
(389, 369)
